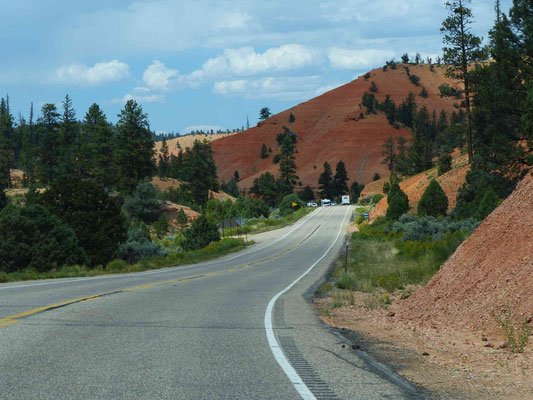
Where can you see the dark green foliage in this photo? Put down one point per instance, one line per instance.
(369, 101)
(161, 226)
(292, 118)
(200, 234)
(266, 188)
(389, 154)
(32, 237)
(430, 228)
(286, 206)
(236, 176)
(424, 142)
(48, 136)
(340, 180)
(264, 113)
(98, 147)
(424, 93)
(181, 218)
(307, 194)
(376, 176)
(367, 76)
(448, 91)
(200, 171)
(389, 108)
(3, 198)
(355, 190)
(487, 204)
(373, 87)
(7, 154)
(96, 219)
(138, 246)
(163, 165)
(434, 201)
(180, 196)
(143, 203)
(276, 159)
(405, 58)
(243, 207)
(445, 161)
(402, 162)
(287, 166)
(264, 153)
(325, 182)
(134, 148)
(398, 203)
(230, 188)
(415, 80)
(406, 111)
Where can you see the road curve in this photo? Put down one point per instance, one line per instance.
(192, 332)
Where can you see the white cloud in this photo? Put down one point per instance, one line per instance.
(98, 74)
(357, 59)
(245, 61)
(280, 88)
(140, 98)
(160, 78)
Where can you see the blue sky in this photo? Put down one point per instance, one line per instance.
(206, 63)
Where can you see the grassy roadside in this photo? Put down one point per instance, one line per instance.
(214, 250)
(260, 225)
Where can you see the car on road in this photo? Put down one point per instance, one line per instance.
(312, 204)
(333, 203)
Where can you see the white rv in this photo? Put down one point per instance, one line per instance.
(325, 202)
(345, 200)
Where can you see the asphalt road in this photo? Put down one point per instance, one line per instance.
(225, 329)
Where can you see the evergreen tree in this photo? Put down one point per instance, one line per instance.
(264, 113)
(200, 171)
(464, 48)
(134, 148)
(402, 162)
(292, 118)
(287, 166)
(143, 202)
(373, 87)
(340, 180)
(307, 194)
(355, 190)
(200, 234)
(434, 201)
(369, 101)
(3, 198)
(407, 110)
(264, 151)
(230, 188)
(96, 218)
(49, 141)
(487, 205)
(99, 147)
(236, 176)
(28, 150)
(405, 58)
(181, 219)
(398, 203)
(68, 146)
(163, 165)
(7, 155)
(389, 154)
(445, 160)
(376, 176)
(266, 188)
(325, 182)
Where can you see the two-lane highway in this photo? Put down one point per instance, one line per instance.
(233, 328)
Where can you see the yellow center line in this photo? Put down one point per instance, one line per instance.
(13, 318)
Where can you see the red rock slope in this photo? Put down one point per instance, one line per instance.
(491, 271)
(332, 129)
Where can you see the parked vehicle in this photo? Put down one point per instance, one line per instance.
(345, 200)
(333, 203)
(312, 204)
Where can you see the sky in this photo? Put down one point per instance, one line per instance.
(206, 64)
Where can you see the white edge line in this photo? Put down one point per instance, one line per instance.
(291, 373)
(162, 270)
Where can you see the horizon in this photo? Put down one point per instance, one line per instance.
(207, 67)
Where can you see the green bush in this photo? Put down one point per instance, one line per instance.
(116, 266)
(143, 202)
(200, 234)
(32, 237)
(286, 206)
(96, 218)
(434, 201)
(376, 198)
(398, 202)
(138, 246)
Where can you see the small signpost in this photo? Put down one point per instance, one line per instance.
(346, 256)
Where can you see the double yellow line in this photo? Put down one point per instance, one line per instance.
(14, 318)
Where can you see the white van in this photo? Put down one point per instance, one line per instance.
(345, 200)
(325, 202)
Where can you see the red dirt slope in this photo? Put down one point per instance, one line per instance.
(332, 129)
(490, 271)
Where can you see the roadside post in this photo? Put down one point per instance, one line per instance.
(346, 256)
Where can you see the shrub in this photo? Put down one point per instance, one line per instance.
(116, 266)
(434, 201)
(488, 203)
(373, 87)
(143, 202)
(34, 238)
(277, 158)
(376, 177)
(415, 80)
(398, 203)
(96, 218)
(200, 234)
(445, 162)
(424, 93)
(138, 246)
(376, 198)
(286, 205)
(161, 226)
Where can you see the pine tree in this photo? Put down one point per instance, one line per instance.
(163, 165)
(49, 142)
(134, 148)
(181, 219)
(389, 154)
(200, 171)
(236, 176)
(28, 150)
(7, 155)
(325, 182)
(355, 190)
(292, 118)
(264, 113)
(99, 146)
(287, 166)
(445, 160)
(340, 180)
(398, 203)
(402, 162)
(68, 138)
(264, 151)
(434, 201)
(307, 194)
(464, 48)
(266, 188)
